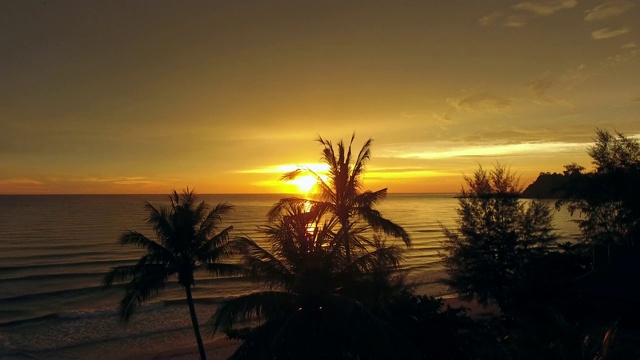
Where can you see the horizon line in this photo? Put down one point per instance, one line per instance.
(120, 194)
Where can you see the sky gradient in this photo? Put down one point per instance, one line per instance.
(224, 96)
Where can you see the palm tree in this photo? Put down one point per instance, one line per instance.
(342, 195)
(309, 306)
(187, 241)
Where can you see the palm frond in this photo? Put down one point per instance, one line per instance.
(363, 157)
(138, 239)
(380, 223)
(292, 175)
(135, 238)
(142, 288)
(284, 205)
(262, 263)
(214, 248)
(382, 258)
(223, 269)
(209, 224)
(118, 275)
(248, 307)
(370, 198)
(159, 219)
(328, 155)
(174, 197)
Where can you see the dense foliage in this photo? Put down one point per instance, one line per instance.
(311, 306)
(326, 269)
(491, 252)
(608, 198)
(546, 186)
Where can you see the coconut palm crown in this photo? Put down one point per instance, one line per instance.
(342, 195)
(186, 241)
(309, 306)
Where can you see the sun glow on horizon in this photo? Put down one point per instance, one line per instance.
(304, 183)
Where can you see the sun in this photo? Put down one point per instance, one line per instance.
(304, 183)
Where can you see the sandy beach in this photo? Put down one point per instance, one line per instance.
(217, 349)
(221, 348)
(476, 310)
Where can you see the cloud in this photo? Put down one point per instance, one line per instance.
(629, 45)
(480, 102)
(564, 81)
(636, 100)
(118, 180)
(538, 7)
(406, 173)
(490, 19)
(285, 168)
(443, 120)
(515, 21)
(607, 33)
(21, 182)
(545, 7)
(621, 58)
(506, 21)
(608, 10)
(22, 186)
(496, 150)
(540, 88)
(575, 75)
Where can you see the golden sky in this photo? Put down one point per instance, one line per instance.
(223, 96)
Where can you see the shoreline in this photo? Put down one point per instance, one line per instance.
(222, 348)
(216, 349)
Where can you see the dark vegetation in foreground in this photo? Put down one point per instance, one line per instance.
(334, 288)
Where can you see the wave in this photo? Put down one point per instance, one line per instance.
(80, 314)
(75, 342)
(61, 276)
(51, 268)
(58, 258)
(202, 300)
(53, 295)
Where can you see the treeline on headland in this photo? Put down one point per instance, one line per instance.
(334, 287)
(546, 186)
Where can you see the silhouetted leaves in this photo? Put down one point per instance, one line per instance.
(341, 195)
(498, 237)
(315, 307)
(608, 198)
(187, 240)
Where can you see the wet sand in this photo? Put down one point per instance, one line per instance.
(222, 348)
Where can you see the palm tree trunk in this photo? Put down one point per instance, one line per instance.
(194, 322)
(344, 223)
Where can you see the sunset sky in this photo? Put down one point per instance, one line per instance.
(224, 96)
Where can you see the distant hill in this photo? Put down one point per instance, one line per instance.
(546, 186)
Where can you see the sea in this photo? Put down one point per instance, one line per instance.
(56, 249)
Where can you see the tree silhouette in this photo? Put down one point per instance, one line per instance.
(310, 307)
(498, 237)
(608, 198)
(342, 196)
(187, 241)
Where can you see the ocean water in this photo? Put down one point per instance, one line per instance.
(56, 249)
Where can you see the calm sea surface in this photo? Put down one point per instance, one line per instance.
(55, 250)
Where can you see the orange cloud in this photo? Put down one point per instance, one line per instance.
(607, 33)
(545, 7)
(608, 10)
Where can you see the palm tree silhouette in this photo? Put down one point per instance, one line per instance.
(342, 195)
(310, 306)
(187, 241)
